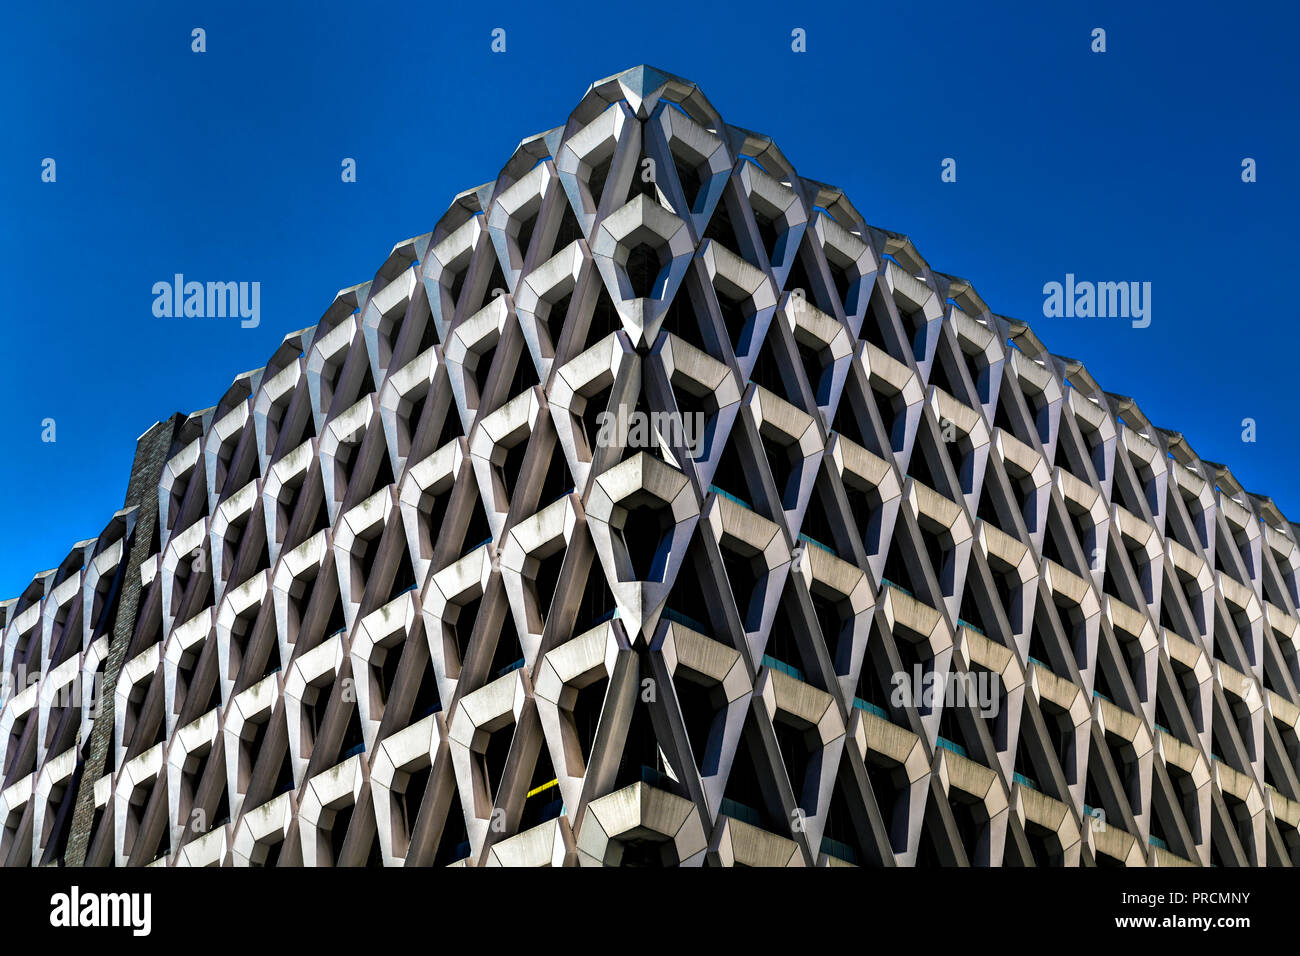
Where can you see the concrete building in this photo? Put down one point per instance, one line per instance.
(860, 573)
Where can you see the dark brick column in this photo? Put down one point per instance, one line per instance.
(151, 453)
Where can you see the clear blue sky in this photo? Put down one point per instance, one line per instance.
(225, 166)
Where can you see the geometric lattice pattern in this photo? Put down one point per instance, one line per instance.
(404, 606)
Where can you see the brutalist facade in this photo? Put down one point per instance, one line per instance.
(862, 574)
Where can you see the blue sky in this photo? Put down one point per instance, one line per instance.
(225, 166)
